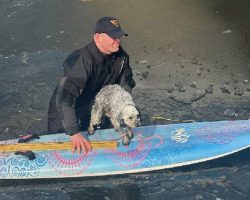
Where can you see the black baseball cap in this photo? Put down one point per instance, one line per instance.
(110, 26)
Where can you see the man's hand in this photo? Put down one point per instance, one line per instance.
(80, 143)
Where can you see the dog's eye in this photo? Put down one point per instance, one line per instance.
(130, 118)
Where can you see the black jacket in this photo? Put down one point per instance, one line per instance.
(86, 71)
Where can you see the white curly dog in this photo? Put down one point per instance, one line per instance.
(117, 104)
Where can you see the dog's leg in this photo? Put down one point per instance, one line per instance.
(127, 135)
(125, 139)
(124, 136)
(96, 115)
(115, 124)
(130, 133)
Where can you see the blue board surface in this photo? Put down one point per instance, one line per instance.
(152, 148)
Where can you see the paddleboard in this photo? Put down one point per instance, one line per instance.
(152, 148)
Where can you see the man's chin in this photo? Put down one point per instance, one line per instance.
(115, 49)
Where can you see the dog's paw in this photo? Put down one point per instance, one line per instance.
(125, 140)
(130, 134)
(117, 129)
(91, 130)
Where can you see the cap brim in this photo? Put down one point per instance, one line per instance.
(117, 34)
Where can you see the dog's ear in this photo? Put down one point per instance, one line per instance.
(138, 111)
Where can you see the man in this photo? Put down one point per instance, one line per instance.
(86, 71)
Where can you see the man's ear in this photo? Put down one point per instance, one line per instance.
(98, 37)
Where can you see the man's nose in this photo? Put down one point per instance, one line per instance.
(118, 40)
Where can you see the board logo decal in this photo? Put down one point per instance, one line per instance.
(142, 147)
(180, 135)
(67, 164)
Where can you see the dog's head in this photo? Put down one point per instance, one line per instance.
(130, 116)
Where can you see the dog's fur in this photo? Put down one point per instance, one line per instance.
(117, 104)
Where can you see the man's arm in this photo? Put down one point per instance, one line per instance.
(69, 89)
(65, 101)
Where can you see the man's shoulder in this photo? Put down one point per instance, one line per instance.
(82, 53)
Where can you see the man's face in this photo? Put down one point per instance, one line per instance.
(109, 45)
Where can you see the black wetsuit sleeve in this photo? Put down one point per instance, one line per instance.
(126, 76)
(70, 87)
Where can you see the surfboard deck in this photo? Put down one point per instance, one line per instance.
(152, 148)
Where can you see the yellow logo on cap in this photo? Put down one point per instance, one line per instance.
(115, 22)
